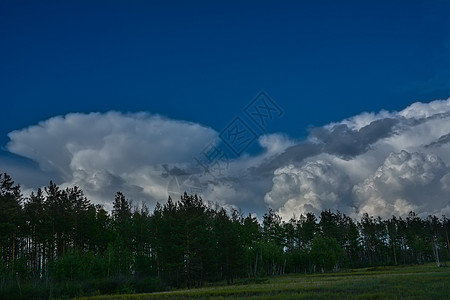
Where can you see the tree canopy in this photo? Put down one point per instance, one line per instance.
(59, 236)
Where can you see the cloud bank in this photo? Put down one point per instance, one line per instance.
(382, 163)
(106, 153)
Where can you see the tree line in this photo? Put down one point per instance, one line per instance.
(59, 238)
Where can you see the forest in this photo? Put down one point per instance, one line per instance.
(57, 243)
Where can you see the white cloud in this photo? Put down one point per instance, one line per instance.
(404, 182)
(105, 153)
(381, 163)
(275, 143)
(393, 162)
(312, 187)
(421, 110)
(359, 121)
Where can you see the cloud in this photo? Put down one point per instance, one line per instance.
(275, 143)
(343, 141)
(404, 182)
(386, 163)
(105, 153)
(362, 120)
(382, 163)
(312, 187)
(445, 139)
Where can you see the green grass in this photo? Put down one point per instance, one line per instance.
(410, 282)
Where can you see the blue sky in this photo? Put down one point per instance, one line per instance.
(203, 61)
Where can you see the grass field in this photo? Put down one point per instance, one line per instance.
(410, 282)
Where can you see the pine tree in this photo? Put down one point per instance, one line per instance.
(12, 220)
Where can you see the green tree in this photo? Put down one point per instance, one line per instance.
(326, 253)
(252, 238)
(274, 242)
(230, 245)
(12, 220)
(37, 228)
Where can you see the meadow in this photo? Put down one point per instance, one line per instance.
(403, 282)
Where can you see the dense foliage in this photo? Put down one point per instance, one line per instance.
(57, 243)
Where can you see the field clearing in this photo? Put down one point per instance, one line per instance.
(410, 282)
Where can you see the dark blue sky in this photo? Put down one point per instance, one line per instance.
(202, 61)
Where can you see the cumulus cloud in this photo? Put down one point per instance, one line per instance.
(275, 143)
(312, 187)
(347, 142)
(404, 182)
(106, 153)
(362, 120)
(381, 163)
(421, 110)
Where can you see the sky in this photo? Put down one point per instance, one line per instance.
(341, 105)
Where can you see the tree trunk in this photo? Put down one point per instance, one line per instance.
(13, 251)
(256, 264)
(188, 262)
(157, 263)
(448, 242)
(395, 254)
(435, 252)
